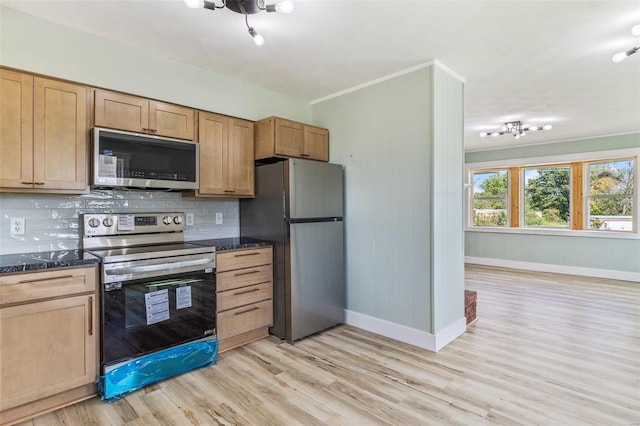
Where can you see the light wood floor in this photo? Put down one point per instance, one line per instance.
(547, 349)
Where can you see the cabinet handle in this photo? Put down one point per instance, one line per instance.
(255, 308)
(47, 279)
(38, 183)
(153, 130)
(246, 254)
(90, 315)
(27, 183)
(238, 293)
(229, 191)
(245, 273)
(305, 155)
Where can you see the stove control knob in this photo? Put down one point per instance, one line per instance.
(177, 220)
(107, 221)
(93, 222)
(166, 220)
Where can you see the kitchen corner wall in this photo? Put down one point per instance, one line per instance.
(400, 141)
(52, 220)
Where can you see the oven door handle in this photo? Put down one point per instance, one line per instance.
(158, 267)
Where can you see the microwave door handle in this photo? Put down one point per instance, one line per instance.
(158, 267)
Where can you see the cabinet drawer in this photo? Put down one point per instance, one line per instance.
(244, 277)
(41, 285)
(246, 318)
(243, 296)
(227, 261)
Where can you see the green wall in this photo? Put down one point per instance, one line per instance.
(615, 254)
(32, 44)
(403, 178)
(382, 136)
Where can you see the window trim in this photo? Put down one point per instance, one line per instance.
(470, 215)
(635, 223)
(578, 227)
(521, 190)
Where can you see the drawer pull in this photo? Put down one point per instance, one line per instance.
(245, 273)
(305, 155)
(247, 254)
(238, 293)
(90, 315)
(27, 183)
(229, 191)
(48, 279)
(38, 183)
(255, 308)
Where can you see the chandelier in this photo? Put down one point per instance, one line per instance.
(619, 57)
(516, 129)
(246, 8)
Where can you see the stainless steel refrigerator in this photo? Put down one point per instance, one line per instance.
(299, 206)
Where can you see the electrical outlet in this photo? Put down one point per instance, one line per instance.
(218, 218)
(17, 225)
(189, 219)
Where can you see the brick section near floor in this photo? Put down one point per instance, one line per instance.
(470, 301)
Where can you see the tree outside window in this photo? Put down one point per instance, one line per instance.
(490, 198)
(611, 195)
(547, 195)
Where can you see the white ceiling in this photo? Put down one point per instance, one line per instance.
(541, 62)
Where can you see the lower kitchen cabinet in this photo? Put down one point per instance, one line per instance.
(244, 281)
(48, 341)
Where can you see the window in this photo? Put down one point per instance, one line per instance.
(589, 193)
(547, 196)
(611, 194)
(490, 198)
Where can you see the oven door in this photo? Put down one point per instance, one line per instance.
(145, 315)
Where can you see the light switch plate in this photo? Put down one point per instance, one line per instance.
(189, 219)
(17, 225)
(218, 218)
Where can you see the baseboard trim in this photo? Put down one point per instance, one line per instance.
(558, 269)
(412, 336)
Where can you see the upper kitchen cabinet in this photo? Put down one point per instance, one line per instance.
(127, 112)
(44, 133)
(278, 137)
(226, 156)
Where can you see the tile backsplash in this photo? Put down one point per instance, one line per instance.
(52, 221)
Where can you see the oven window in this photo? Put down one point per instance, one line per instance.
(163, 300)
(148, 315)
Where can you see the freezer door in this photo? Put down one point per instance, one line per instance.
(317, 277)
(315, 189)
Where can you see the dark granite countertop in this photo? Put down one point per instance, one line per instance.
(56, 259)
(232, 243)
(44, 260)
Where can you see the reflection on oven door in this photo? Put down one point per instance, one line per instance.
(144, 316)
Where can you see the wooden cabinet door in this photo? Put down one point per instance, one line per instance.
(120, 111)
(170, 120)
(240, 160)
(60, 135)
(16, 129)
(316, 143)
(289, 136)
(213, 134)
(46, 348)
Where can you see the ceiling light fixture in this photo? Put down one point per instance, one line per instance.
(246, 8)
(516, 129)
(621, 56)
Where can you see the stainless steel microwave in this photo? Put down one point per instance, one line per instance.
(125, 159)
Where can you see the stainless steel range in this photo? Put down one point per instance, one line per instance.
(156, 290)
